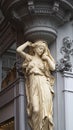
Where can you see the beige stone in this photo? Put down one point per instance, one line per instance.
(37, 66)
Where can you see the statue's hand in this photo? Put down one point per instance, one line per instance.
(29, 109)
(28, 43)
(44, 57)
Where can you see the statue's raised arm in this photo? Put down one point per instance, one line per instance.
(21, 49)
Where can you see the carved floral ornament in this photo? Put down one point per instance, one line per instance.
(66, 50)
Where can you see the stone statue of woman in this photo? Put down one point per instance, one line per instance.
(37, 67)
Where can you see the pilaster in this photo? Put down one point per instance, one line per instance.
(68, 99)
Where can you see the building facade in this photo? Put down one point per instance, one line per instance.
(30, 20)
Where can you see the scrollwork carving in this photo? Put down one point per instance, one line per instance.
(65, 63)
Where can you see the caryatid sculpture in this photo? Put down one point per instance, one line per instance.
(37, 66)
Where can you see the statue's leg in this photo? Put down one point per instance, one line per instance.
(36, 113)
(47, 125)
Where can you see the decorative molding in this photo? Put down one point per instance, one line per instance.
(67, 50)
(67, 74)
(41, 32)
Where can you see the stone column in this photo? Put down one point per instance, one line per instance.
(68, 99)
(63, 101)
(59, 105)
(19, 106)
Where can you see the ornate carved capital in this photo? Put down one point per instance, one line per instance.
(61, 9)
(29, 15)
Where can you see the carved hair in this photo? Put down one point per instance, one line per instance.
(44, 44)
(40, 43)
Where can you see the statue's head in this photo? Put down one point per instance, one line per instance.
(40, 47)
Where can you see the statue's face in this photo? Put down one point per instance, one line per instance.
(39, 50)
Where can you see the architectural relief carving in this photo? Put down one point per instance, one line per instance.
(37, 66)
(56, 6)
(66, 51)
(31, 6)
(24, 8)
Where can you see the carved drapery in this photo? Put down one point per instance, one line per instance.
(37, 66)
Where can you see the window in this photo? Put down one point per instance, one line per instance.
(8, 66)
